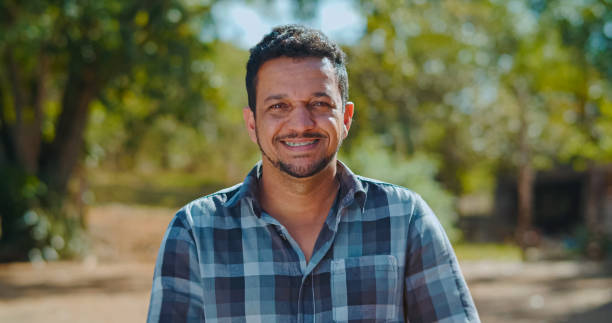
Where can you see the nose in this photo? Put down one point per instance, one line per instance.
(301, 119)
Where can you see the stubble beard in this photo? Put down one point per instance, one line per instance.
(298, 171)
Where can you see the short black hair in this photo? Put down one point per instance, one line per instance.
(296, 41)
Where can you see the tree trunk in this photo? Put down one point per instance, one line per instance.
(15, 238)
(12, 131)
(20, 149)
(22, 138)
(29, 140)
(525, 234)
(6, 142)
(61, 156)
(596, 182)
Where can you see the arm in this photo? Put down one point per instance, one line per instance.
(435, 288)
(176, 295)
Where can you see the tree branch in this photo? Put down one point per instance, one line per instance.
(18, 97)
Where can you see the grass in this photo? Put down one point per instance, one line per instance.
(487, 251)
(160, 189)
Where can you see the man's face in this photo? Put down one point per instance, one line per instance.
(300, 122)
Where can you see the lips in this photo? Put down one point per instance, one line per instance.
(299, 143)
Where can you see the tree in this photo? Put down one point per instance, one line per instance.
(484, 86)
(587, 27)
(57, 58)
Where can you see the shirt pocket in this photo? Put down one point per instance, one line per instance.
(364, 288)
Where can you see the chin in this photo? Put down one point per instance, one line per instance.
(301, 171)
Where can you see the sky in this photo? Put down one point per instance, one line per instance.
(246, 24)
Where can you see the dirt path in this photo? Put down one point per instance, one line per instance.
(114, 285)
(540, 292)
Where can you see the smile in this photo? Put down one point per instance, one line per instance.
(299, 144)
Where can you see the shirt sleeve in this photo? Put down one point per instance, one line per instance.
(177, 295)
(435, 290)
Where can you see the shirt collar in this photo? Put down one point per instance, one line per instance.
(351, 188)
(249, 188)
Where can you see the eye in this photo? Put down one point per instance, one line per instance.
(277, 106)
(320, 104)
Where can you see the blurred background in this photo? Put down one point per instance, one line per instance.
(115, 113)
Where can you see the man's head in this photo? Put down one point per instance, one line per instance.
(295, 41)
(298, 96)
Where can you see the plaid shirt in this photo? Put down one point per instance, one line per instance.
(381, 256)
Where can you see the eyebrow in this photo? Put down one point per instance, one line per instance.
(282, 96)
(321, 94)
(275, 97)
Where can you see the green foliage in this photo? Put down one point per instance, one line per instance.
(373, 159)
(17, 192)
(583, 242)
(57, 233)
(160, 188)
(135, 60)
(36, 224)
(140, 137)
(586, 25)
(479, 85)
(448, 94)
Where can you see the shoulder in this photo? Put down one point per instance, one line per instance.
(394, 200)
(401, 203)
(391, 194)
(207, 207)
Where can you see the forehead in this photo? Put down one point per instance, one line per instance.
(286, 73)
(283, 62)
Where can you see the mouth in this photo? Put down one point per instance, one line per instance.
(300, 143)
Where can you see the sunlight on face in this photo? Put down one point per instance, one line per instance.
(300, 121)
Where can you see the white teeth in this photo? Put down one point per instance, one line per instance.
(298, 144)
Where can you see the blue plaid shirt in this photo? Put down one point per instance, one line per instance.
(381, 256)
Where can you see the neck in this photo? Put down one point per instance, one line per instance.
(294, 200)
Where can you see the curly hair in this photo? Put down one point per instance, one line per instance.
(296, 41)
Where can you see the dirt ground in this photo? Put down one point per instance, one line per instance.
(113, 284)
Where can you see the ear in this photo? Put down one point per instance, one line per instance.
(249, 122)
(349, 109)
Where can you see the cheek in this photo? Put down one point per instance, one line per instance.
(335, 125)
(266, 129)
(327, 119)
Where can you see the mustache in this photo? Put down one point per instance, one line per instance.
(294, 135)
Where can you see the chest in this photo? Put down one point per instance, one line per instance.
(354, 274)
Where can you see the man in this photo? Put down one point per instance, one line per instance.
(303, 239)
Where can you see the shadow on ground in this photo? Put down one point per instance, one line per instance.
(108, 286)
(600, 314)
